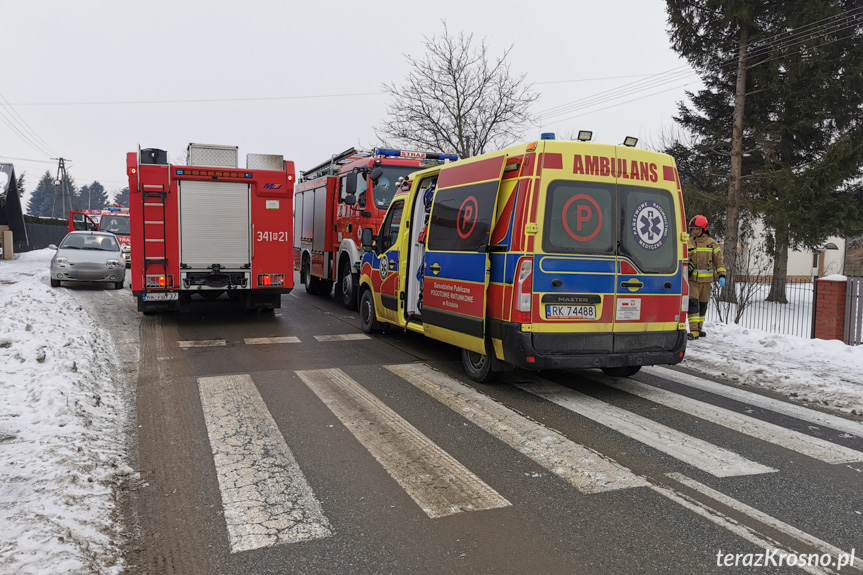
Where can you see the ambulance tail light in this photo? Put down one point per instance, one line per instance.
(271, 280)
(523, 293)
(684, 305)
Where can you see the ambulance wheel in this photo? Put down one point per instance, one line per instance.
(55, 283)
(368, 319)
(478, 366)
(348, 286)
(625, 371)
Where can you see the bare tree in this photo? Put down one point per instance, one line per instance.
(456, 100)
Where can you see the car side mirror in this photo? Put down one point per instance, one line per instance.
(367, 240)
(125, 249)
(52, 247)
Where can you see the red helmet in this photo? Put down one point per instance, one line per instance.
(699, 221)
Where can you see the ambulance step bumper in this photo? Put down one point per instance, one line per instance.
(578, 350)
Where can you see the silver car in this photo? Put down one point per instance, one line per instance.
(88, 256)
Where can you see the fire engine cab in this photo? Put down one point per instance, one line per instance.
(547, 255)
(335, 201)
(114, 219)
(209, 229)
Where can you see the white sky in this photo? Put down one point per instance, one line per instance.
(64, 412)
(63, 61)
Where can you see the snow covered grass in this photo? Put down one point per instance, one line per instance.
(62, 436)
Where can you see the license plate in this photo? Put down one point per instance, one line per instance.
(164, 296)
(570, 311)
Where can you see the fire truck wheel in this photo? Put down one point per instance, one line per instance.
(55, 283)
(368, 319)
(625, 371)
(348, 286)
(478, 366)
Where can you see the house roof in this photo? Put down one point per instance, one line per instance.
(11, 213)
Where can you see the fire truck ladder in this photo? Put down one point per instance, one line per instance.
(155, 250)
(332, 165)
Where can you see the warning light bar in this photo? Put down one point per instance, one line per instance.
(415, 155)
(271, 280)
(214, 174)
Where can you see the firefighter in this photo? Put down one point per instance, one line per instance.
(705, 267)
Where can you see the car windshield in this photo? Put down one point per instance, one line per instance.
(385, 188)
(115, 224)
(91, 242)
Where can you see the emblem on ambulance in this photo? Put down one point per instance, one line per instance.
(650, 225)
(385, 267)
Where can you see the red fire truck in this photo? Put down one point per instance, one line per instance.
(209, 229)
(335, 201)
(114, 219)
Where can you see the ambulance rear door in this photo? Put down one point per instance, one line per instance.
(456, 268)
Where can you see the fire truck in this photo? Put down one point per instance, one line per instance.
(335, 201)
(210, 230)
(114, 219)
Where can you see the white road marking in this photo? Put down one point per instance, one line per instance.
(266, 340)
(797, 411)
(202, 343)
(265, 496)
(345, 337)
(438, 483)
(775, 434)
(585, 469)
(696, 452)
(725, 522)
(784, 528)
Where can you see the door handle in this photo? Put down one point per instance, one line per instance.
(632, 285)
(435, 268)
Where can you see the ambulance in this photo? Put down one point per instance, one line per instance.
(547, 255)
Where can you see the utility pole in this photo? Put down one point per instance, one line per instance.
(62, 181)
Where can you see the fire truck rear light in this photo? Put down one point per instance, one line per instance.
(133, 171)
(271, 280)
(158, 281)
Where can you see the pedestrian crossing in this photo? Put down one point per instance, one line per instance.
(268, 501)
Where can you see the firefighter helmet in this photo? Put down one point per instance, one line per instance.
(699, 221)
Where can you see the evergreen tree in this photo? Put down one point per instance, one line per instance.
(42, 200)
(21, 184)
(93, 197)
(801, 149)
(122, 197)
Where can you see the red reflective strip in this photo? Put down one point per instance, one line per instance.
(552, 161)
(668, 174)
(481, 171)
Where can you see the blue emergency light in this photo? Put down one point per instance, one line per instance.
(415, 155)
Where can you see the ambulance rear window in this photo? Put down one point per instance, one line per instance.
(649, 232)
(579, 218)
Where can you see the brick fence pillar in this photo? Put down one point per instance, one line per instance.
(830, 309)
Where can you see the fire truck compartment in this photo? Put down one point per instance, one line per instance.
(214, 225)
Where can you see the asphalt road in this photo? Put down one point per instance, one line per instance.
(323, 451)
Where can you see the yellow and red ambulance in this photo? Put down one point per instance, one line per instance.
(547, 255)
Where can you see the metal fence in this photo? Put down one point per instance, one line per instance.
(754, 311)
(39, 236)
(854, 312)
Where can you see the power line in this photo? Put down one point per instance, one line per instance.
(200, 101)
(22, 121)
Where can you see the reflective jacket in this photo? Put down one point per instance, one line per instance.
(705, 259)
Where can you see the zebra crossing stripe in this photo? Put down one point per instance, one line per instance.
(769, 403)
(265, 496)
(343, 337)
(585, 469)
(438, 483)
(769, 432)
(268, 340)
(693, 451)
(186, 344)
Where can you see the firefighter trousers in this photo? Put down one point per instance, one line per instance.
(699, 297)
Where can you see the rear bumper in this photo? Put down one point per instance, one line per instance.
(579, 350)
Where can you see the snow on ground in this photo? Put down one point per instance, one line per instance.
(62, 427)
(63, 422)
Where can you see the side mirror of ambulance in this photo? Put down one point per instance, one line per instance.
(367, 240)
